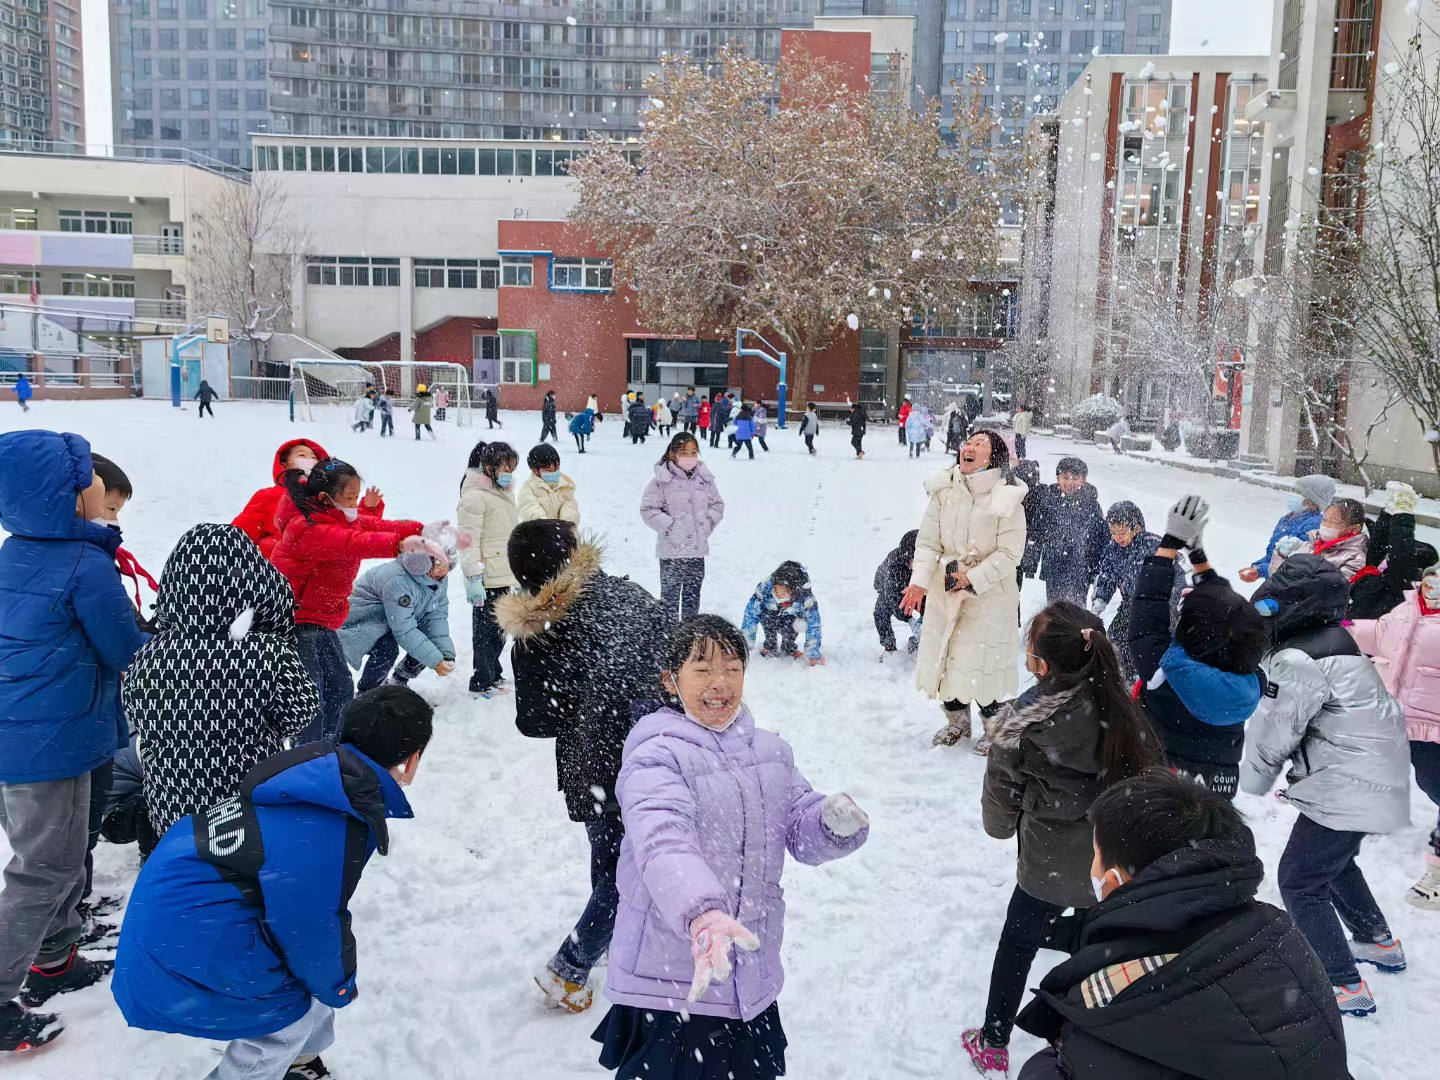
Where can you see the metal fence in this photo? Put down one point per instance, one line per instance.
(250, 388)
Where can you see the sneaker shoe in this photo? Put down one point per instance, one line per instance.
(21, 1029)
(76, 974)
(562, 993)
(1354, 1002)
(888, 648)
(314, 1069)
(766, 651)
(489, 692)
(1385, 957)
(988, 1060)
(1425, 893)
(796, 654)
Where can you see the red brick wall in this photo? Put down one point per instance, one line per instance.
(848, 51)
(836, 368)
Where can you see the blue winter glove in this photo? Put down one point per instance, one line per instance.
(475, 590)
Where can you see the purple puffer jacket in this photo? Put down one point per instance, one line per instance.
(683, 510)
(708, 816)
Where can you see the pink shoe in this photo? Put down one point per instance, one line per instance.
(988, 1060)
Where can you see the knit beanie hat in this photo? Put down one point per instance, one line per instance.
(1316, 489)
(427, 558)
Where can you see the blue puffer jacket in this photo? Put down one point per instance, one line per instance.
(67, 629)
(415, 608)
(1299, 523)
(801, 605)
(241, 915)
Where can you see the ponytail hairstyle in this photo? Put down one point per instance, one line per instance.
(1072, 642)
(494, 458)
(329, 478)
(678, 441)
(474, 460)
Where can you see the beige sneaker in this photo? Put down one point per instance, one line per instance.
(562, 993)
(1425, 893)
(957, 727)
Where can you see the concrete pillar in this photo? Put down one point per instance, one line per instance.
(407, 322)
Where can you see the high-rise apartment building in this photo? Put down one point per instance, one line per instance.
(42, 98)
(1031, 51)
(527, 70)
(190, 75)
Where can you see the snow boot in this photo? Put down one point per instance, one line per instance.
(913, 645)
(75, 974)
(1387, 957)
(988, 1060)
(1354, 1000)
(312, 1069)
(21, 1029)
(957, 727)
(1425, 893)
(561, 993)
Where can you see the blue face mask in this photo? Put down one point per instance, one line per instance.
(1295, 503)
(551, 477)
(504, 478)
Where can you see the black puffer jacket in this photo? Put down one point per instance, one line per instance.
(1072, 533)
(214, 692)
(1243, 997)
(588, 652)
(1042, 774)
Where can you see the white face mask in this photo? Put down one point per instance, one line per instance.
(1431, 590)
(104, 523)
(711, 727)
(1328, 532)
(351, 512)
(1098, 884)
(304, 464)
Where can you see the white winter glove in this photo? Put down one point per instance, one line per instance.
(711, 936)
(842, 817)
(1287, 546)
(475, 590)
(1186, 521)
(1400, 498)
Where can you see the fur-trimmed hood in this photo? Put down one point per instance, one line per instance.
(525, 615)
(1007, 726)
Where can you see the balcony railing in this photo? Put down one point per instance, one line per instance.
(168, 155)
(1290, 21)
(1352, 64)
(172, 311)
(159, 245)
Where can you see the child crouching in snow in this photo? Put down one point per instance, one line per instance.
(696, 776)
(777, 607)
(402, 606)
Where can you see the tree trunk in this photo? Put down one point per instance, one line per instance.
(798, 377)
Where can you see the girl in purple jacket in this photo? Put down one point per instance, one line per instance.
(711, 803)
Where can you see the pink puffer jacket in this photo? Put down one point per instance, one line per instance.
(1405, 645)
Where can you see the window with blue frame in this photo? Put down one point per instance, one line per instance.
(588, 274)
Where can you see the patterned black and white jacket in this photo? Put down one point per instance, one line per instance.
(217, 689)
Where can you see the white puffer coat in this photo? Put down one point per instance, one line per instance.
(968, 642)
(489, 515)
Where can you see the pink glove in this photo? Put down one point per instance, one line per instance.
(412, 543)
(711, 935)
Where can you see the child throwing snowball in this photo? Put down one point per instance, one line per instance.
(710, 803)
(402, 606)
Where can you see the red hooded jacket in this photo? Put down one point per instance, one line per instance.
(321, 558)
(257, 520)
(705, 414)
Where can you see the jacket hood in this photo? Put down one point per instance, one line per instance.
(673, 724)
(1310, 590)
(41, 473)
(278, 467)
(215, 575)
(1189, 884)
(1215, 697)
(977, 483)
(338, 778)
(1007, 727)
(665, 472)
(525, 615)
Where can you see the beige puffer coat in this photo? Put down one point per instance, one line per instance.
(969, 639)
(539, 499)
(489, 515)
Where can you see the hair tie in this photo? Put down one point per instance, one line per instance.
(1085, 633)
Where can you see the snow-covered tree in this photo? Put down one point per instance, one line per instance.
(798, 214)
(244, 246)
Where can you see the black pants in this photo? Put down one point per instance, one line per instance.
(901, 433)
(1027, 921)
(680, 581)
(637, 437)
(1074, 591)
(810, 443)
(427, 427)
(382, 659)
(580, 441)
(387, 425)
(691, 425)
(547, 429)
(205, 407)
(747, 445)
(493, 420)
(586, 944)
(858, 442)
(488, 641)
(100, 780)
(324, 660)
(884, 615)
(761, 440)
(1425, 756)
(715, 435)
(778, 625)
(1020, 446)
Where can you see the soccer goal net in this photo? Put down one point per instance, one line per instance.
(321, 386)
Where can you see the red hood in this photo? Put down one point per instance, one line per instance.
(277, 468)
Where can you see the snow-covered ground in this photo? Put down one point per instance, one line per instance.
(888, 953)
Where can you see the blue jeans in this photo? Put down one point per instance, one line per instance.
(267, 1057)
(1425, 756)
(324, 660)
(381, 659)
(1318, 878)
(583, 946)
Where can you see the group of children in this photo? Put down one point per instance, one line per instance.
(376, 402)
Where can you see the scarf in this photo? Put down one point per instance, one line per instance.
(1214, 697)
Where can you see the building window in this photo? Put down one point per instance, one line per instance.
(1112, 9)
(23, 220)
(254, 39)
(592, 274)
(517, 270)
(140, 40)
(1112, 41)
(954, 10)
(959, 40)
(354, 270)
(254, 70)
(144, 128)
(167, 40)
(227, 70)
(169, 97)
(143, 100)
(255, 101)
(1082, 42)
(199, 99)
(96, 221)
(167, 67)
(167, 9)
(197, 38)
(197, 9)
(227, 100)
(1148, 25)
(19, 282)
(97, 285)
(485, 347)
(197, 70)
(228, 130)
(199, 129)
(517, 357)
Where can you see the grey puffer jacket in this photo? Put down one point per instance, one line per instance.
(1342, 734)
(1042, 774)
(683, 509)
